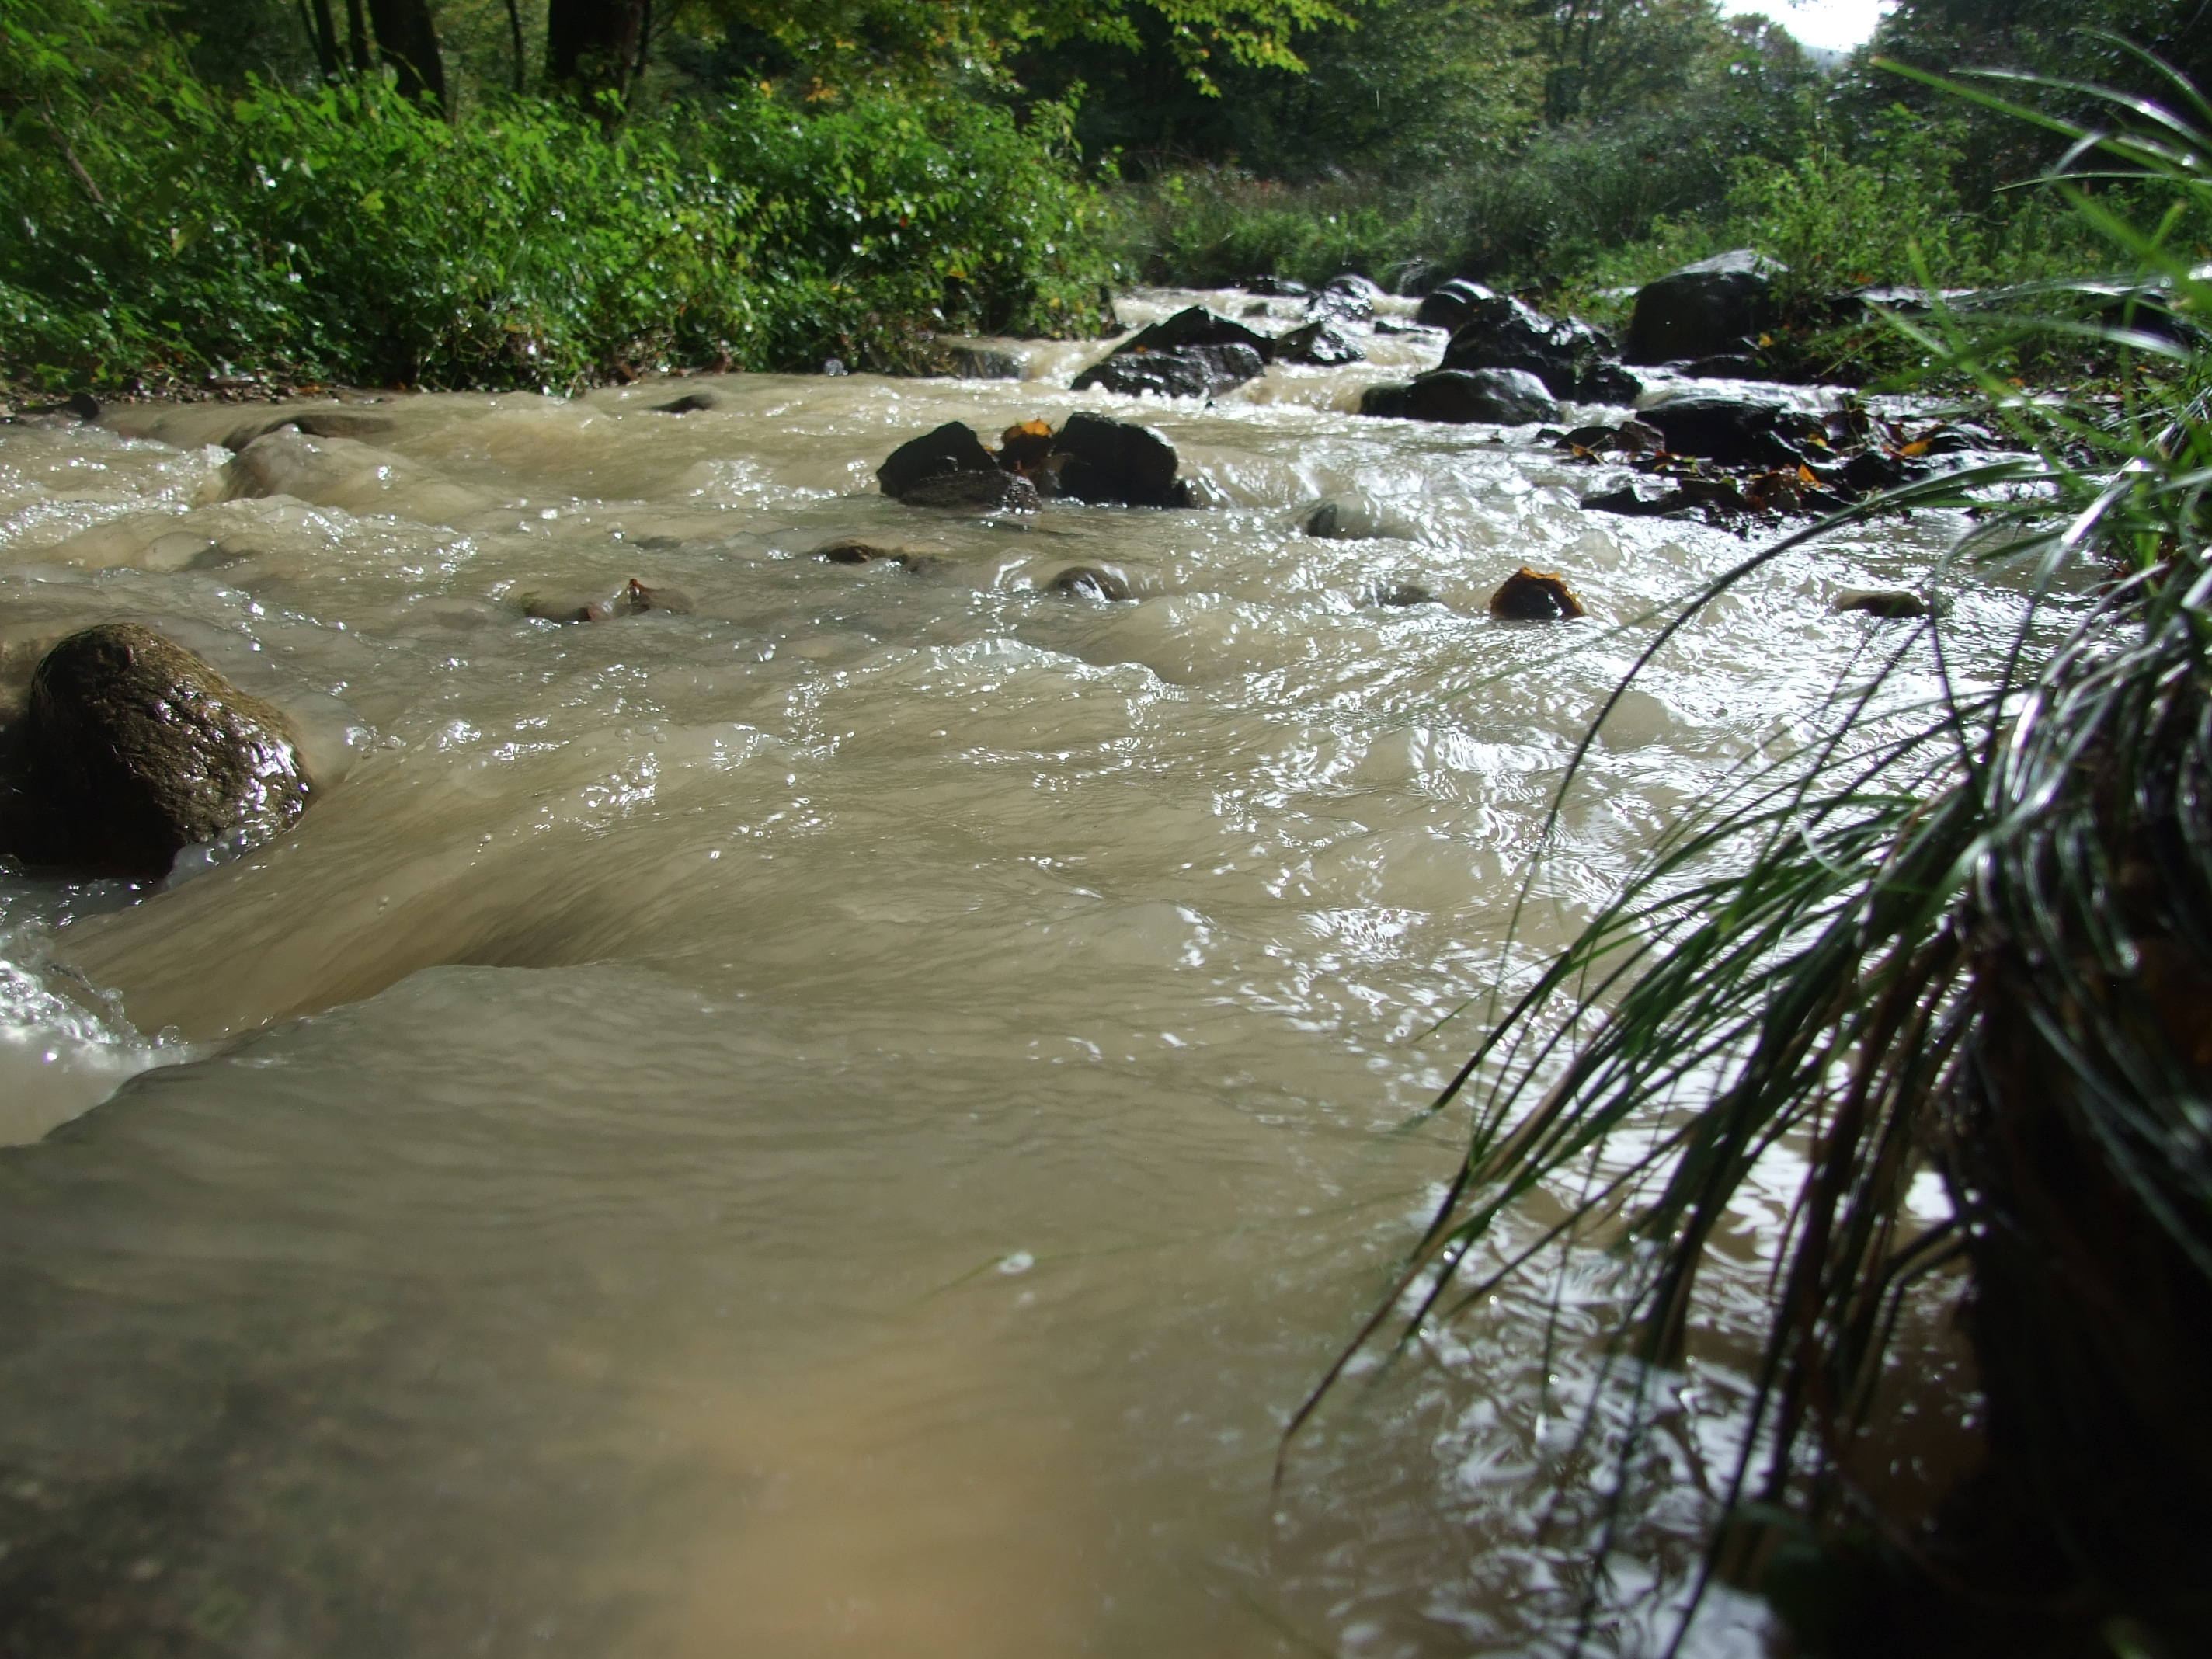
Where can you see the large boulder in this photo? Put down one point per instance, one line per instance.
(1095, 459)
(1706, 310)
(1320, 343)
(1198, 371)
(1447, 305)
(952, 448)
(1193, 326)
(132, 749)
(1572, 359)
(1502, 397)
(1734, 431)
(1350, 297)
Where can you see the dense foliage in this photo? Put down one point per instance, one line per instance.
(166, 231)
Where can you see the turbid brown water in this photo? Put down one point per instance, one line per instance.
(840, 1119)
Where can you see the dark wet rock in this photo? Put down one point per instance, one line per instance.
(316, 423)
(133, 748)
(1351, 297)
(1502, 397)
(853, 552)
(981, 363)
(1194, 327)
(1734, 431)
(1403, 596)
(1894, 602)
(1257, 308)
(1703, 310)
(1446, 307)
(1389, 401)
(1871, 471)
(691, 403)
(1629, 438)
(1352, 521)
(1320, 342)
(951, 448)
(1569, 357)
(632, 599)
(1531, 595)
(980, 492)
(1190, 372)
(83, 405)
(1639, 498)
(1085, 581)
(1281, 288)
(1109, 461)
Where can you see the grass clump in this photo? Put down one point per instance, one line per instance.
(1971, 934)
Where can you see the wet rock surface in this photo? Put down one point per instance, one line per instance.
(1892, 603)
(1712, 308)
(1198, 371)
(1349, 298)
(1447, 305)
(951, 448)
(1532, 595)
(1320, 342)
(318, 423)
(1572, 359)
(1731, 460)
(1090, 458)
(131, 749)
(1500, 396)
(1085, 581)
(633, 598)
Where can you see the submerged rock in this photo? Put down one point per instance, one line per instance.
(987, 492)
(1708, 309)
(316, 423)
(1403, 596)
(1531, 595)
(1892, 602)
(1085, 581)
(1320, 342)
(853, 552)
(133, 748)
(691, 403)
(1282, 288)
(633, 598)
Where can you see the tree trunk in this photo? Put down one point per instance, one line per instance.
(514, 23)
(408, 42)
(315, 18)
(594, 45)
(357, 37)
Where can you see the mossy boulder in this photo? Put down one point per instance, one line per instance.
(133, 748)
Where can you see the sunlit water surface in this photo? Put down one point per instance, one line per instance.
(842, 1123)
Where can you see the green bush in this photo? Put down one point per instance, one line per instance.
(343, 235)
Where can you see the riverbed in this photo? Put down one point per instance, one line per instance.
(843, 1119)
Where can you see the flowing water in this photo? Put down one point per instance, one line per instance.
(842, 1121)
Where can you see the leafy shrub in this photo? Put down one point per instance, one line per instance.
(344, 234)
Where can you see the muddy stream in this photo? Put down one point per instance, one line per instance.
(840, 1122)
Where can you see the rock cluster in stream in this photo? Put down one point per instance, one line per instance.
(1733, 461)
(131, 749)
(1089, 458)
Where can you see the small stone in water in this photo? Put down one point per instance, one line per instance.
(1084, 582)
(1531, 595)
(691, 403)
(1404, 594)
(1887, 602)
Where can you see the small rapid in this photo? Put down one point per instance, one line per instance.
(842, 1118)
